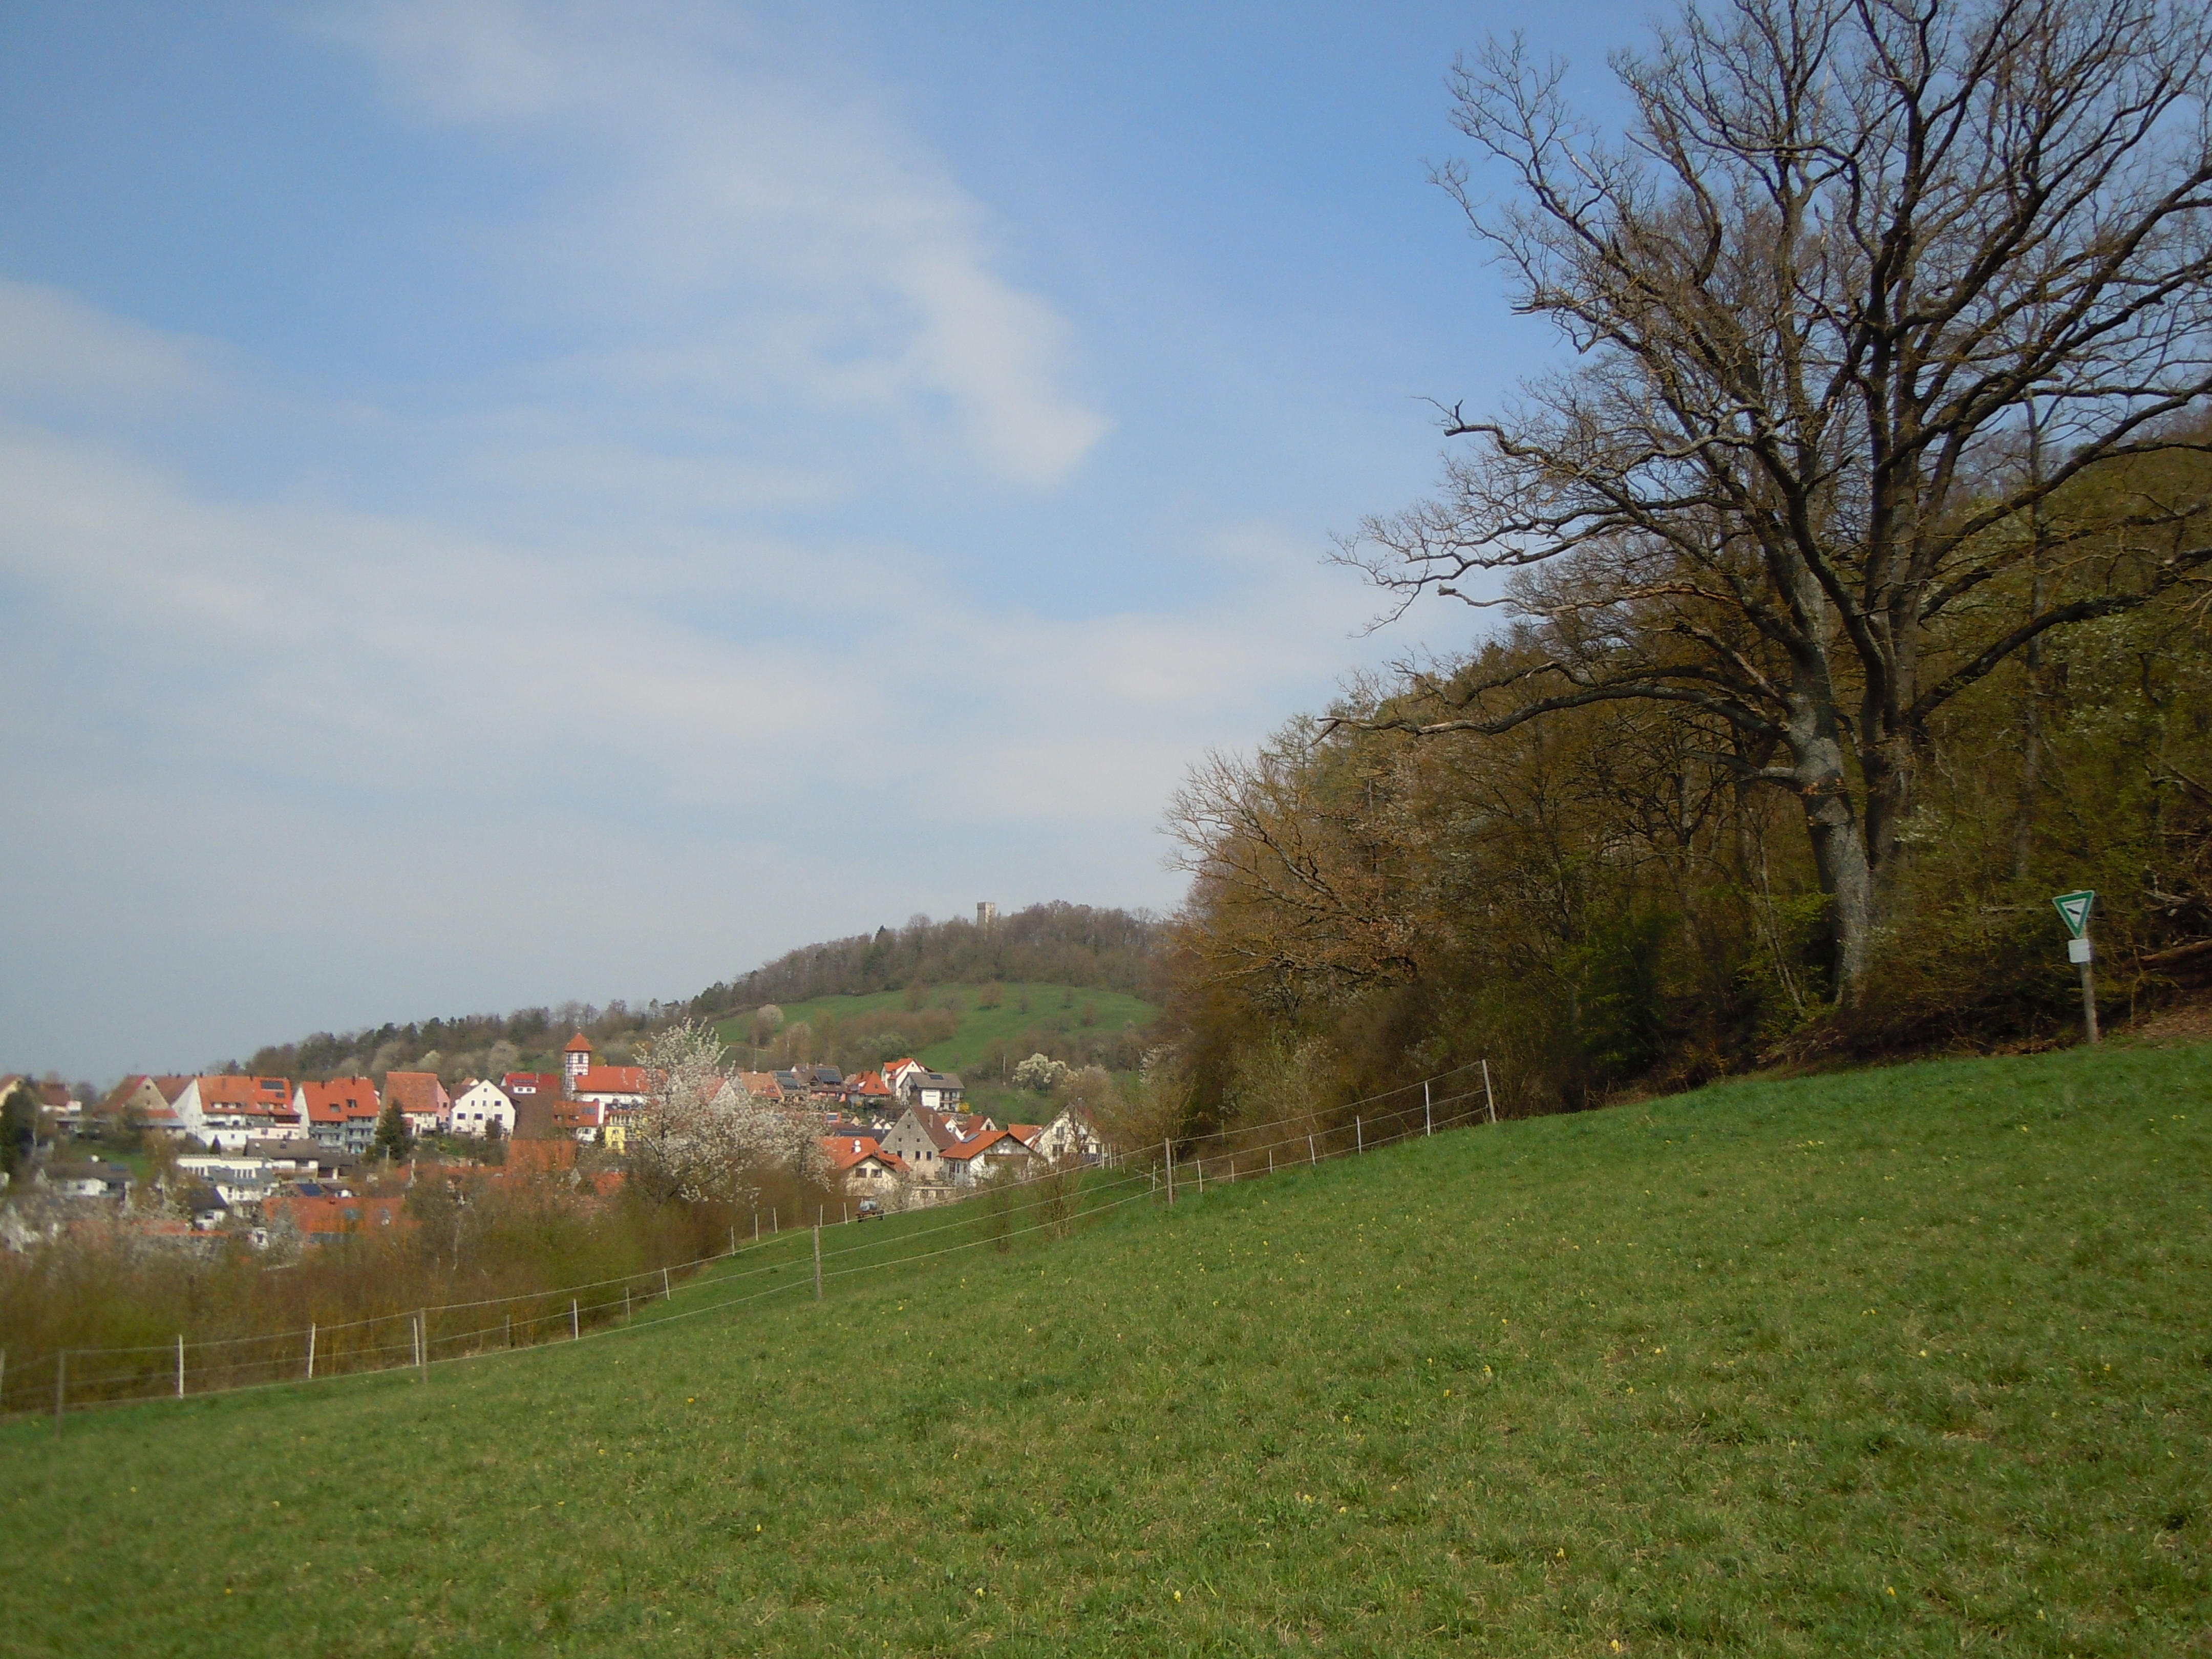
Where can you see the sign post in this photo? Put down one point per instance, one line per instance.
(2073, 910)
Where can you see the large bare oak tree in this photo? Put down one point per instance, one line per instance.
(1862, 292)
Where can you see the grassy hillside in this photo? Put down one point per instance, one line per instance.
(983, 1033)
(1908, 1361)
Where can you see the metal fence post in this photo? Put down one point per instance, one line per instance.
(575, 1327)
(1358, 1135)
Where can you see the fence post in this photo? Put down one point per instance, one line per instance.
(755, 1226)
(1358, 1135)
(1201, 1174)
(61, 1390)
(817, 1261)
(311, 1351)
(1167, 1153)
(1271, 1160)
(1312, 1156)
(1428, 1116)
(667, 1293)
(510, 1329)
(1486, 1095)
(625, 1304)
(180, 1365)
(774, 1221)
(575, 1329)
(734, 1239)
(422, 1342)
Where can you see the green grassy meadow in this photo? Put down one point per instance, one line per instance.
(1905, 1361)
(983, 1030)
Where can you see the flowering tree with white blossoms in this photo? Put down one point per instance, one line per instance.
(702, 1137)
(1040, 1072)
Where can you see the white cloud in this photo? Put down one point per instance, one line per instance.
(53, 346)
(748, 225)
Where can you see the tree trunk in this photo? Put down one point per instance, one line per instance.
(1839, 851)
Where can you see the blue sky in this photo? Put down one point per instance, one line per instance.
(501, 503)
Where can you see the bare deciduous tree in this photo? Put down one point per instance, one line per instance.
(1866, 288)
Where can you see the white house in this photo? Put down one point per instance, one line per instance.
(482, 1110)
(236, 1179)
(92, 1180)
(224, 1113)
(1070, 1136)
(974, 1160)
(934, 1091)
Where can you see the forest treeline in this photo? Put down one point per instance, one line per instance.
(1851, 582)
(1055, 943)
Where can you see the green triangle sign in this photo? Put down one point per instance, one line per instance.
(2073, 910)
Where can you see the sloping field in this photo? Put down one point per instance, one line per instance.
(1908, 1361)
(981, 1030)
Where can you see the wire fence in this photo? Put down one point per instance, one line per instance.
(1054, 1202)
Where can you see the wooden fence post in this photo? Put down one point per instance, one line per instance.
(311, 1351)
(1271, 1160)
(817, 1261)
(575, 1327)
(422, 1342)
(61, 1390)
(180, 1365)
(667, 1292)
(1312, 1156)
(1358, 1135)
(510, 1328)
(1167, 1153)
(1428, 1114)
(1487, 1093)
(1201, 1176)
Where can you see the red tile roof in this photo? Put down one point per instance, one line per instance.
(245, 1094)
(340, 1098)
(845, 1151)
(611, 1080)
(415, 1091)
(578, 1044)
(975, 1145)
(325, 1218)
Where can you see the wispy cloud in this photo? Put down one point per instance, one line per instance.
(746, 223)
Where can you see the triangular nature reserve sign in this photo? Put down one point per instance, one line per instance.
(2073, 910)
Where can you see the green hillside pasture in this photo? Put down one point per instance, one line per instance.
(983, 1031)
(1913, 1361)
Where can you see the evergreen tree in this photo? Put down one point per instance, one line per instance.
(392, 1138)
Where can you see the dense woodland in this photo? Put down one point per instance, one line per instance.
(1841, 601)
(1056, 944)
